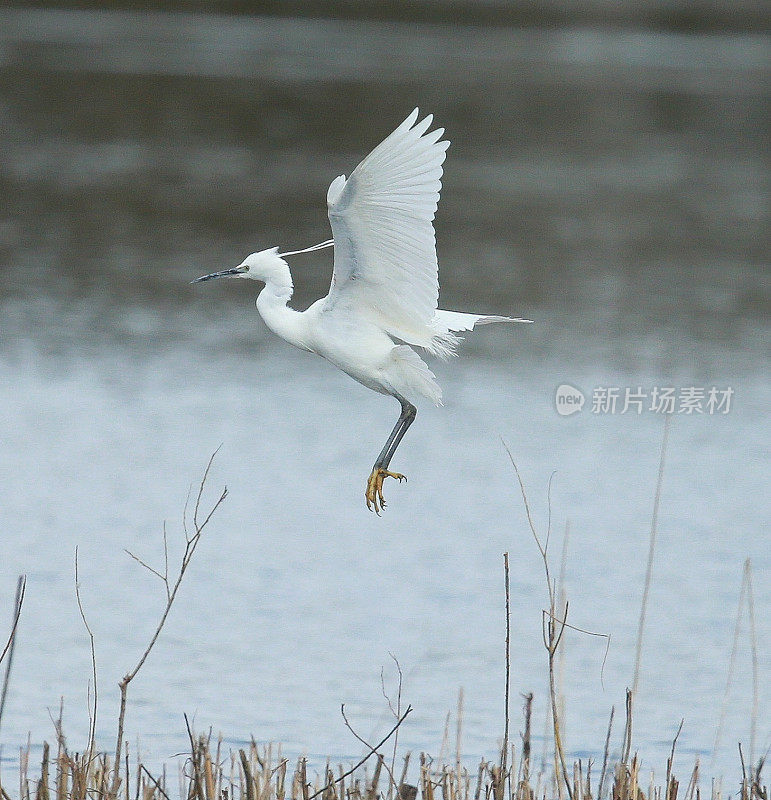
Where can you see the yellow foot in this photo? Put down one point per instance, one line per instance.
(374, 493)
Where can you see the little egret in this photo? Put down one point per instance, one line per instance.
(385, 287)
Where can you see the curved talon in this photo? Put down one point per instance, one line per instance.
(374, 493)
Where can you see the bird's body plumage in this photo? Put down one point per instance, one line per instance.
(383, 298)
(353, 343)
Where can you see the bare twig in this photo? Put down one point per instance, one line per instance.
(744, 592)
(605, 753)
(731, 664)
(166, 559)
(155, 572)
(396, 711)
(651, 549)
(505, 748)
(21, 586)
(627, 743)
(552, 645)
(389, 770)
(10, 645)
(196, 785)
(671, 760)
(693, 782)
(93, 710)
(548, 511)
(191, 543)
(155, 782)
(542, 549)
(371, 752)
(606, 636)
(553, 630)
(561, 595)
(458, 736)
(754, 656)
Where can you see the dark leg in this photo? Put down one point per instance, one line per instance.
(374, 493)
(406, 418)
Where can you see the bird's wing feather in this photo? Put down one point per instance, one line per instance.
(382, 223)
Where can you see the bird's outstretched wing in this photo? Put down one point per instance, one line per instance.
(382, 223)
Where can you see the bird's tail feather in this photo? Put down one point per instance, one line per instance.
(415, 376)
(460, 321)
(444, 342)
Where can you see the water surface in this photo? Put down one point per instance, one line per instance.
(610, 185)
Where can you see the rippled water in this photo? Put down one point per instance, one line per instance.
(609, 185)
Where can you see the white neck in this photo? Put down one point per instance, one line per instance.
(272, 305)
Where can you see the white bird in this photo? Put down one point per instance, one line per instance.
(385, 286)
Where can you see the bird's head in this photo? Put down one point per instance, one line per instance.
(266, 266)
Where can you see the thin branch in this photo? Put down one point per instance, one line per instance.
(671, 761)
(146, 566)
(626, 745)
(184, 510)
(542, 548)
(157, 785)
(605, 753)
(551, 637)
(560, 593)
(754, 656)
(505, 748)
(651, 549)
(372, 752)
(197, 788)
(458, 737)
(92, 714)
(548, 511)
(554, 640)
(200, 494)
(396, 712)
(524, 497)
(21, 587)
(186, 558)
(389, 770)
(565, 624)
(191, 543)
(731, 665)
(165, 560)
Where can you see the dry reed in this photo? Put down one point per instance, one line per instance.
(207, 772)
(259, 772)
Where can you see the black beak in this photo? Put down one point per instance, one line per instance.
(224, 274)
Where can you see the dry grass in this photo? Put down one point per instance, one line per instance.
(261, 773)
(210, 771)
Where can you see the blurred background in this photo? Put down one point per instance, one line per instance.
(608, 178)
